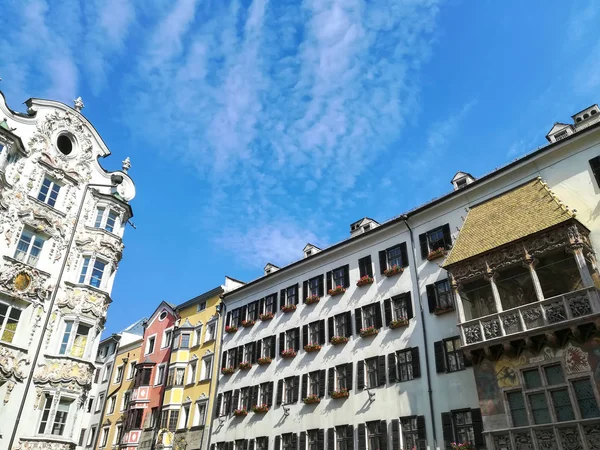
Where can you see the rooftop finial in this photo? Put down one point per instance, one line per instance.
(78, 104)
(126, 164)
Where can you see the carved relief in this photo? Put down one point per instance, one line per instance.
(61, 370)
(13, 363)
(100, 243)
(85, 301)
(13, 281)
(43, 445)
(9, 388)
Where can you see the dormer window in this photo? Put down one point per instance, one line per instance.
(461, 183)
(106, 218)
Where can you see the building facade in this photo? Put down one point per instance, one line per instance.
(62, 218)
(357, 345)
(187, 401)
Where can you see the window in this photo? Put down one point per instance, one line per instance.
(377, 435)
(118, 435)
(150, 345)
(339, 277)
(341, 376)
(119, 374)
(435, 239)
(185, 414)
(74, 340)
(292, 340)
(586, 400)
(91, 437)
(265, 393)
(314, 287)
(401, 308)
(125, 400)
(100, 402)
(463, 426)
(313, 332)
(131, 370)
(90, 405)
(252, 313)
(160, 375)
(185, 340)
(201, 306)
(289, 296)
(372, 376)
(29, 247)
(210, 332)
(104, 437)
(410, 432)
(288, 441)
(344, 437)
(365, 267)
(49, 192)
(191, 375)
(167, 337)
(226, 404)
(137, 418)
(94, 276)
(179, 373)
(55, 425)
(269, 304)
(340, 325)
(199, 414)
(454, 355)
(106, 218)
(9, 320)
(107, 371)
(111, 404)
(235, 318)
(371, 316)
(244, 401)
(405, 365)
(206, 367)
(268, 347)
(439, 296)
(312, 438)
(290, 390)
(262, 443)
(313, 379)
(146, 376)
(394, 257)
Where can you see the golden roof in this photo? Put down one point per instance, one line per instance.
(518, 213)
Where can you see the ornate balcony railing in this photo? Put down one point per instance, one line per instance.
(549, 313)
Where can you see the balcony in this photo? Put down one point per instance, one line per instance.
(562, 311)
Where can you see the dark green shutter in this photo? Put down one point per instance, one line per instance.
(409, 305)
(304, 387)
(382, 261)
(329, 280)
(330, 439)
(383, 435)
(273, 344)
(416, 362)
(331, 380)
(277, 443)
(360, 375)
(358, 319)
(305, 290)
(387, 310)
(404, 254)
(330, 328)
(279, 392)
(297, 339)
(378, 318)
(440, 359)
(305, 335)
(362, 438)
(478, 427)
(347, 276)
(447, 237)
(447, 429)
(392, 367)
(303, 440)
(322, 383)
(321, 285)
(349, 376)
(320, 439)
(295, 441)
(322, 332)
(281, 342)
(421, 430)
(431, 297)
(424, 245)
(381, 370)
(395, 434)
(296, 388)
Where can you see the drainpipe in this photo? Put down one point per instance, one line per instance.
(415, 272)
(221, 308)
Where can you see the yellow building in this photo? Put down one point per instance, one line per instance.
(191, 375)
(114, 418)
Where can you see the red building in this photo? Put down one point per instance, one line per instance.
(151, 371)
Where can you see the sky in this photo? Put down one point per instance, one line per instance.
(257, 126)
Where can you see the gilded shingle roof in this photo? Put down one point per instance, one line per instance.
(518, 213)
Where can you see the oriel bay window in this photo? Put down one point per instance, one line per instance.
(314, 333)
(9, 320)
(55, 414)
(340, 325)
(404, 365)
(368, 316)
(371, 373)
(338, 277)
(313, 383)
(396, 256)
(92, 271)
(29, 247)
(398, 308)
(440, 297)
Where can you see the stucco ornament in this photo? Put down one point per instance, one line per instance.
(63, 370)
(85, 301)
(24, 281)
(13, 363)
(77, 164)
(9, 388)
(42, 445)
(102, 244)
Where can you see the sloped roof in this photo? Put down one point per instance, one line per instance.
(525, 210)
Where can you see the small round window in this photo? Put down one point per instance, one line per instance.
(64, 144)
(593, 111)
(163, 315)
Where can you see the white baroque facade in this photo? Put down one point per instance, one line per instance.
(390, 350)
(62, 218)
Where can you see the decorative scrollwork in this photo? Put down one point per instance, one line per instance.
(555, 312)
(569, 439)
(546, 440)
(491, 329)
(579, 305)
(42, 445)
(592, 436)
(523, 441)
(473, 334)
(511, 323)
(532, 317)
(502, 442)
(36, 290)
(64, 370)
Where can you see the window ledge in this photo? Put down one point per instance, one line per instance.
(74, 359)
(102, 230)
(47, 206)
(49, 438)
(196, 427)
(87, 286)
(13, 346)
(204, 380)
(16, 261)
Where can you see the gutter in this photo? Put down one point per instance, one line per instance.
(404, 217)
(221, 309)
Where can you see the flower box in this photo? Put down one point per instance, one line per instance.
(312, 299)
(288, 308)
(227, 370)
(435, 254)
(260, 409)
(266, 316)
(289, 353)
(338, 290)
(312, 347)
(398, 323)
(370, 331)
(231, 329)
(463, 446)
(335, 340)
(394, 270)
(240, 412)
(311, 399)
(439, 310)
(264, 361)
(342, 393)
(248, 323)
(365, 280)
(245, 365)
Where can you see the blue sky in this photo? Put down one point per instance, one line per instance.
(257, 126)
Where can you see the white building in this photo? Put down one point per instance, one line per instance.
(62, 219)
(410, 386)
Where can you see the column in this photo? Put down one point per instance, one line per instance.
(530, 263)
(491, 277)
(457, 300)
(586, 278)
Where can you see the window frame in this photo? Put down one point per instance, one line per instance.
(3, 326)
(149, 348)
(338, 321)
(369, 371)
(107, 211)
(469, 427)
(458, 353)
(73, 324)
(407, 363)
(88, 269)
(47, 197)
(52, 420)
(28, 258)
